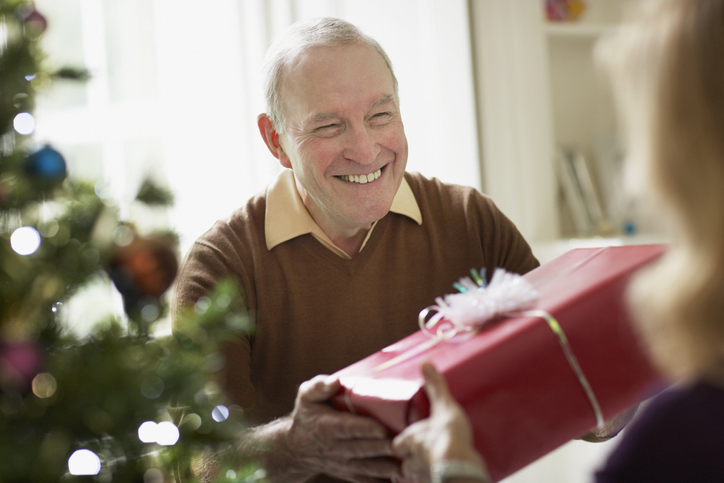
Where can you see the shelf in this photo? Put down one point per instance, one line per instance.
(579, 31)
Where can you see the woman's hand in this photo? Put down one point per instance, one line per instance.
(445, 435)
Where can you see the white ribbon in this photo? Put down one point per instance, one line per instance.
(477, 304)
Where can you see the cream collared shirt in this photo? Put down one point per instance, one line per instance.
(286, 216)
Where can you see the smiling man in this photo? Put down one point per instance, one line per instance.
(342, 137)
(338, 255)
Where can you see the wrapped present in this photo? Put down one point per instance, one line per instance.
(532, 379)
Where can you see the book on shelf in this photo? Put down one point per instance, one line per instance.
(580, 194)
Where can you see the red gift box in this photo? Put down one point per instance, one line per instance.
(513, 378)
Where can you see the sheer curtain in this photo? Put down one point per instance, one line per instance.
(176, 90)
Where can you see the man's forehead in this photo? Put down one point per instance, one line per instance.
(315, 80)
(321, 53)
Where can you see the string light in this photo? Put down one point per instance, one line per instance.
(168, 434)
(24, 123)
(164, 433)
(147, 432)
(220, 413)
(84, 462)
(44, 385)
(25, 240)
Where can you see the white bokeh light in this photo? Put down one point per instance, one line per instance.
(220, 413)
(148, 432)
(24, 123)
(167, 433)
(84, 462)
(25, 240)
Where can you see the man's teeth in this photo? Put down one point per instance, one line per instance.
(361, 178)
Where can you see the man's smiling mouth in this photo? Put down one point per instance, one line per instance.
(361, 178)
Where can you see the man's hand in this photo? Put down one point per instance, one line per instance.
(611, 427)
(445, 435)
(316, 439)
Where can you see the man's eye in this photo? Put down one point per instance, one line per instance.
(381, 117)
(328, 127)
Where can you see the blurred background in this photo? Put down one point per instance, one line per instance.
(503, 96)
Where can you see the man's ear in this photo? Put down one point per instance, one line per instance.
(271, 138)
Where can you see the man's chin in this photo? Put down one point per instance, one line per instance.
(371, 215)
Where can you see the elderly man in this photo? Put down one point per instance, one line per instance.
(338, 256)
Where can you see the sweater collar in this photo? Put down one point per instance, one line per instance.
(286, 217)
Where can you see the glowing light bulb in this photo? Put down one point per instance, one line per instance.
(25, 240)
(148, 432)
(220, 413)
(84, 462)
(168, 433)
(44, 385)
(24, 123)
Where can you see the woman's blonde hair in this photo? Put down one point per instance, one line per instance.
(667, 69)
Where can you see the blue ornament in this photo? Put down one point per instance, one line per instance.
(47, 163)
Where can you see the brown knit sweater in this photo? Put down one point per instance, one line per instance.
(316, 312)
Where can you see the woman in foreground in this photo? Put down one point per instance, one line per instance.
(667, 69)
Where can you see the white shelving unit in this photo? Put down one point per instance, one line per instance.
(578, 31)
(583, 115)
(541, 90)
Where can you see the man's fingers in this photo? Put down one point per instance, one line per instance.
(318, 389)
(405, 443)
(361, 449)
(413, 467)
(367, 479)
(370, 469)
(346, 426)
(401, 446)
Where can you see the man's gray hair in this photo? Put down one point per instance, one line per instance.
(329, 32)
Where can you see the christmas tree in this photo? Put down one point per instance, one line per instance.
(116, 404)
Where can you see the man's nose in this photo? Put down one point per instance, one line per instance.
(361, 145)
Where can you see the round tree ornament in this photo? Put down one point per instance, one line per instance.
(34, 21)
(46, 164)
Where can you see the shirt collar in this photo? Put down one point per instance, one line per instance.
(286, 216)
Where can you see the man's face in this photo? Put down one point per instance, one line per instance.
(344, 136)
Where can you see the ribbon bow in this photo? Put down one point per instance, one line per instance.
(477, 303)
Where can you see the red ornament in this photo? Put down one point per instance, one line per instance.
(35, 22)
(144, 267)
(20, 362)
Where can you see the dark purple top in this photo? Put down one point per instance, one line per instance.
(678, 438)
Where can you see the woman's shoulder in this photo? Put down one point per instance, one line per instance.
(680, 434)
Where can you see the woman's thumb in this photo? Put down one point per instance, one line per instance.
(435, 386)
